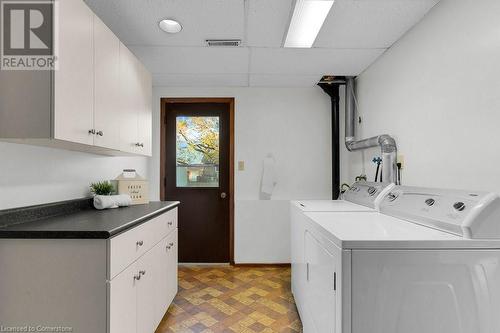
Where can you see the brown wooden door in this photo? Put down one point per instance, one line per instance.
(197, 170)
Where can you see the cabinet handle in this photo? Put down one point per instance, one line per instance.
(138, 144)
(170, 223)
(100, 133)
(142, 272)
(307, 271)
(92, 131)
(137, 277)
(169, 247)
(171, 244)
(140, 243)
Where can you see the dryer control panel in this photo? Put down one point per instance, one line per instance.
(469, 214)
(367, 193)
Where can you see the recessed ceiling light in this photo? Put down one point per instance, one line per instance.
(307, 19)
(170, 26)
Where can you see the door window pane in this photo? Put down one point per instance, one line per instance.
(197, 151)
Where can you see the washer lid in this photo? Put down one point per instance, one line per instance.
(468, 214)
(331, 206)
(375, 230)
(367, 194)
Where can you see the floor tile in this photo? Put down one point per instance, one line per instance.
(231, 299)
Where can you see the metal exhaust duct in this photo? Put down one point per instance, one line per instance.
(386, 142)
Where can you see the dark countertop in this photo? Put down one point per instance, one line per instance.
(86, 222)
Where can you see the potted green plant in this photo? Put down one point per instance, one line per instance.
(102, 188)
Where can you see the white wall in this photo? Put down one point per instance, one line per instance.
(293, 124)
(31, 175)
(437, 90)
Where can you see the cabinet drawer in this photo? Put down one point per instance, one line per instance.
(130, 245)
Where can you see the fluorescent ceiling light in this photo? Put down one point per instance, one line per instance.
(307, 19)
(170, 26)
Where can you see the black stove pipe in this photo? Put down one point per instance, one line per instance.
(332, 89)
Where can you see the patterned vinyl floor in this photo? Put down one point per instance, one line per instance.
(232, 299)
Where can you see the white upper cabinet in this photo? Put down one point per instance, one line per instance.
(74, 80)
(97, 100)
(129, 105)
(106, 87)
(145, 117)
(135, 120)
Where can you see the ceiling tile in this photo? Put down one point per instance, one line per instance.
(370, 23)
(136, 22)
(311, 61)
(283, 80)
(201, 80)
(267, 22)
(193, 60)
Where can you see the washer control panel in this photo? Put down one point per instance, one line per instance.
(367, 193)
(469, 214)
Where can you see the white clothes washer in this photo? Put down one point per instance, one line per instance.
(428, 262)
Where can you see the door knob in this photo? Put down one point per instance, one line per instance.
(223, 195)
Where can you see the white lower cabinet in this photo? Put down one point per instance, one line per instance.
(141, 294)
(123, 284)
(123, 301)
(166, 275)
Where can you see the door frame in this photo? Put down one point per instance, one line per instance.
(163, 158)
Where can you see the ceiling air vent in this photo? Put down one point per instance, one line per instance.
(223, 42)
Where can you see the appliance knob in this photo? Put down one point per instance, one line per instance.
(372, 190)
(392, 196)
(460, 206)
(430, 202)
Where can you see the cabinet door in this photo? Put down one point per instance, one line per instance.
(173, 253)
(320, 293)
(74, 80)
(123, 302)
(107, 87)
(129, 100)
(146, 291)
(144, 130)
(167, 274)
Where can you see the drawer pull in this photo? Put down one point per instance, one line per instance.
(137, 277)
(142, 272)
(170, 223)
(171, 244)
(140, 243)
(169, 247)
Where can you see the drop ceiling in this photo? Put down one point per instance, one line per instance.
(354, 35)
